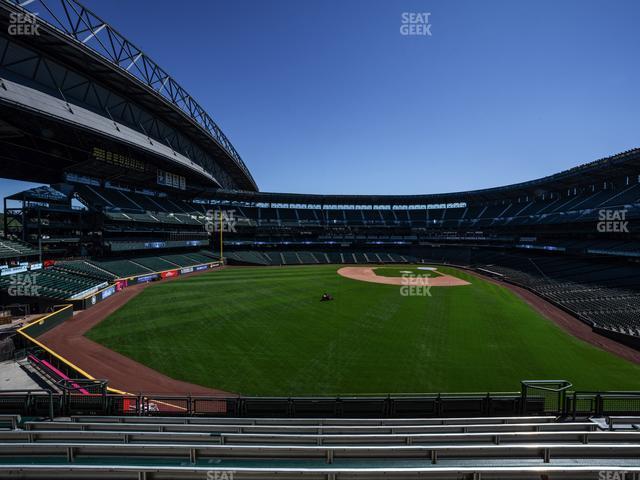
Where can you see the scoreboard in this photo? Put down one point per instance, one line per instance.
(118, 159)
(169, 179)
(164, 178)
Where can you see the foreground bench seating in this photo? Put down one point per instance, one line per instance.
(140, 472)
(493, 437)
(623, 421)
(148, 447)
(311, 429)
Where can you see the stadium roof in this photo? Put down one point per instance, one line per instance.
(72, 32)
(38, 194)
(621, 164)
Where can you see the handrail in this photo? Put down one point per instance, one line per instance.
(30, 392)
(121, 403)
(537, 384)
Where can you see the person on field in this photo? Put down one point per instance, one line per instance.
(326, 297)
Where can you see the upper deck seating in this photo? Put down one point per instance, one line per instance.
(15, 249)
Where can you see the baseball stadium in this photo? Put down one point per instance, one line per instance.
(163, 317)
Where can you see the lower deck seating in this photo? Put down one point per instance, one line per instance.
(145, 265)
(155, 264)
(200, 258)
(248, 257)
(86, 269)
(52, 283)
(180, 260)
(605, 295)
(72, 280)
(121, 268)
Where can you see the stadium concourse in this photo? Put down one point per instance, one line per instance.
(138, 186)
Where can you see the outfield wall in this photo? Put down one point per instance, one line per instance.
(47, 322)
(629, 340)
(29, 333)
(121, 283)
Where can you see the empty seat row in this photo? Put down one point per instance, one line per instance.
(322, 448)
(288, 257)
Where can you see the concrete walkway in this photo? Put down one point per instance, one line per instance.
(13, 377)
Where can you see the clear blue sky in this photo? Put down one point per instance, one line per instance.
(328, 97)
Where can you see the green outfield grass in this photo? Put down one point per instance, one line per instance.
(263, 331)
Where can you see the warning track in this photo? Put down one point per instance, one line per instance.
(123, 373)
(68, 338)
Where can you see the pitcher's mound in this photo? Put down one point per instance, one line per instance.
(367, 274)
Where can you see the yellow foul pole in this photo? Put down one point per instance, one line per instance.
(221, 257)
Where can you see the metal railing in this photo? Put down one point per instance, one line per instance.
(30, 402)
(562, 403)
(550, 395)
(603, 403)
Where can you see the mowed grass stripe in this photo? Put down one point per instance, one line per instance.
(263, 331)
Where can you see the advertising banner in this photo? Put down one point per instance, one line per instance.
(169, 274)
